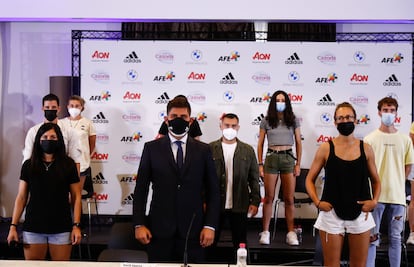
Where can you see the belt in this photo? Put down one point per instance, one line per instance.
(287, 151)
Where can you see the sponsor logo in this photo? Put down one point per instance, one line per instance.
(100, 118)
(392, 81)
(228, 79)
(132, 58)
(359, 57)
(165, 57)
(327, 58)
(201, 117)
(261, 78)
(131, 117)
(294, 76)
(100, 197)
(261, 57)
(100, 76)
(162, 99)
(132, 75)
(233, 57)
(293, 59)
(329, 79)
(295, 99)
(196, 55)
(326, 100)
(359, 100)
(265, 98)
(258, 119)
(168, 77)
(99, 179)
(395, 59)
(228, 96)
(99, 56)
(359, 79)
(326, 118)
(197, 98)
(128, 178)
(131, 97)
(196, 77)
(324, 138)
(131, 157)
(102, 138)
(99, 156)
(162, 115)
(104, 97)
(364, 119)
(134, 138)
(128, 200)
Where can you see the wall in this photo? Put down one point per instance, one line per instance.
(30, 53)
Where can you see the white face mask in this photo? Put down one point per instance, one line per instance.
(280, 106)
(74, 112)
(229, 133)
(388, 118)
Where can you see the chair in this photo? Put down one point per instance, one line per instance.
(301, 196)
(122, 245)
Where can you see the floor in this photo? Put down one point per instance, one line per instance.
(278, 252)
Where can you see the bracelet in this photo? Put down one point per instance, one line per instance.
(317, 206)
(13, 224)
(260, 163)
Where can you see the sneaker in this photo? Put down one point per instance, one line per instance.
(264, 238)
(292, 239)
(410, 239)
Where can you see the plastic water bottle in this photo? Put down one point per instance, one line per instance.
(299, 233)
(242, 255)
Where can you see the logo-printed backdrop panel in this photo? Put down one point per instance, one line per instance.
(127, 84)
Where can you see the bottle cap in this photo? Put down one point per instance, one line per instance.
(242, 245)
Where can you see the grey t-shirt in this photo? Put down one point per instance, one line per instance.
(281, 135)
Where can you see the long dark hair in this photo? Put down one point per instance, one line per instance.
(36, 159)
(288, 115)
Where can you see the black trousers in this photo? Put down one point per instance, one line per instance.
(172, 250)
(238, 227)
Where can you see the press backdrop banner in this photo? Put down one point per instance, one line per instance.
(127, 84)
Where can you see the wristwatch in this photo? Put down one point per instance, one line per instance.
(76, 224)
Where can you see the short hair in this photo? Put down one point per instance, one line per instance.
(387, 101)
(50, 97)
(230, 116)
(344, 105)
(179, 101)
(78, 98)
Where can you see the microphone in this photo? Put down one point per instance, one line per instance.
(185, 256)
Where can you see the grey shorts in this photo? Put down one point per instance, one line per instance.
(38, 238)
(279, 162)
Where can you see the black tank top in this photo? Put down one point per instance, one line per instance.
(346, 182)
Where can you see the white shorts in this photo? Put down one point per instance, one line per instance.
(329, 222)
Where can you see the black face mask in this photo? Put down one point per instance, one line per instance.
(178, 126)
(346, 128)
(49, 146)
(50, 114)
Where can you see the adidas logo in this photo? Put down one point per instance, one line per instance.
(99, 118)
(293, 59)
(162, 99)
(326, 101)
(392, 81)
(99, 179)
(228, 79)
(132, 58)
(258, 119)
(128, 199)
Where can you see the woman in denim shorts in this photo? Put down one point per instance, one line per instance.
(282, 130)
(47, 180)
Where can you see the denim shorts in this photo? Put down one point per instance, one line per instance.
(276, 163)
(329, 222)
(38, 238)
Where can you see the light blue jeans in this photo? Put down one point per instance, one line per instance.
(394, 219)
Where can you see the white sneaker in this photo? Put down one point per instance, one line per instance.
(292, 239)
(410, 239)
(264, 238)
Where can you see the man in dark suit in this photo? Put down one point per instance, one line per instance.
(185, 191)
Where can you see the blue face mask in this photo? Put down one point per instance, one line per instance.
(280, 106)
(388, 118)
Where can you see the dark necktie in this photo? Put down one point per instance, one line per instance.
(179, 154)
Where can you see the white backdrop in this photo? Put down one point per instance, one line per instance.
(127, 84)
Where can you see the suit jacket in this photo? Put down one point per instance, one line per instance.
(177, 196)
(246, 189)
